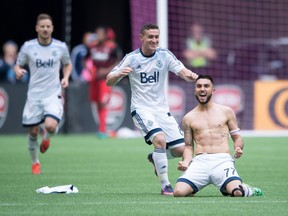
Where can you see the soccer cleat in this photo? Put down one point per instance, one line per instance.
(167, 190)
(44, 145)
(255, 191)
(36, 169)
(150, 159)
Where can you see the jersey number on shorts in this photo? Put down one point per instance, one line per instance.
(229, 171)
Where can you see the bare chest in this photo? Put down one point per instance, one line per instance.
(209, 121)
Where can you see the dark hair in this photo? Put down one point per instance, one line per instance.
(148, 26)
(205, 76)
(43, 16)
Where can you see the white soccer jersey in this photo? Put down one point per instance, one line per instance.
(44, 63)
(148, 78)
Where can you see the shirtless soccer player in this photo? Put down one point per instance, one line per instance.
(206, 133)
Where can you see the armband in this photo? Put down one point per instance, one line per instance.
(235, 132)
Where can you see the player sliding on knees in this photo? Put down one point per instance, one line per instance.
(208, 127)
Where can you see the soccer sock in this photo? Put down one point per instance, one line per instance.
(33, 148)
(248, 190)
(161, 165)
(102, 112)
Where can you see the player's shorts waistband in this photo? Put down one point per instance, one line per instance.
(212, 154)
(133, 113)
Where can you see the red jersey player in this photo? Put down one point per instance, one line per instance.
(104, 54)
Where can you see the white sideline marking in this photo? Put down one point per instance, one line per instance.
(193, 201)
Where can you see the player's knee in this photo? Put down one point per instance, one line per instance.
(159, 140)
(182, 191)
(51, 128)
(51, 125)
(238, 192)
(178, 193)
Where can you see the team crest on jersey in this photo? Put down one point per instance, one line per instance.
(150, 123)
(159, 64)
(54, 53)
(3, 106)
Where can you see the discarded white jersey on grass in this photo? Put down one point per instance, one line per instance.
(58, 189)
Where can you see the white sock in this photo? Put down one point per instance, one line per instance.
(247, 189)
(33, 148)
(161, 164)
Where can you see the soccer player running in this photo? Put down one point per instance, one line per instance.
(209, 125)
(147, 68)
(44, 56)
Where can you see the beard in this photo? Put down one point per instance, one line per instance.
(204, 102)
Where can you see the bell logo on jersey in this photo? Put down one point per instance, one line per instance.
(149, 79)
(44, 64)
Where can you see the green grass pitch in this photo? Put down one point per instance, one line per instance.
(115, 178)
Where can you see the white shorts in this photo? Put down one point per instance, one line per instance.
(151, 124)
(36, 110)
(217, 169)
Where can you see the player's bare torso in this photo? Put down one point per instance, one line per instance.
(210, 130)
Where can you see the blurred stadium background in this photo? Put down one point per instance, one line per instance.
(250, 37)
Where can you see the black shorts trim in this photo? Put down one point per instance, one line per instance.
(150, 133)
(175, 142)
(52, 116)
(192, 185)
(223, 187)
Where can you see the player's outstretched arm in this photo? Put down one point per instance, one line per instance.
(188, 75)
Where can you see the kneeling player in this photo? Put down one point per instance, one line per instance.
(209, 126)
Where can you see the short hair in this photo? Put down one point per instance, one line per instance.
(148, 26)
(205, 76)
(43, 16)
